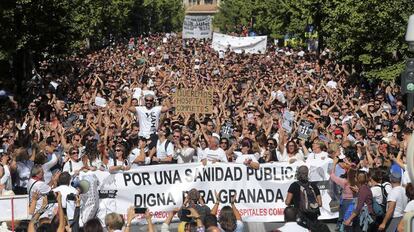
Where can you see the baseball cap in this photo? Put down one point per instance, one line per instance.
(395, 176)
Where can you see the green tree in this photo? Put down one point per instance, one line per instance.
(36, 30)
(368, 33)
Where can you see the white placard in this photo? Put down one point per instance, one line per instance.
(198, 27)
(100, 101)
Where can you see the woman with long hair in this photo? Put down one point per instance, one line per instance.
(363, 216)
(119, 162)
(229, 219)
(292, 153)
(183, 151)
(347, 196)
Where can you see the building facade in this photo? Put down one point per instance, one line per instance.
(209, 7)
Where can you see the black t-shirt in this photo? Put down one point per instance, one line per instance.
(294, 188)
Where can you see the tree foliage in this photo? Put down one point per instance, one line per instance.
(33, 30)
(368, 34)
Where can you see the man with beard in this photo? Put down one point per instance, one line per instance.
(148, 117)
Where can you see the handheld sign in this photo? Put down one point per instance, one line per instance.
(101, 102)
(287, 121)
(193, 101)
(305, 129)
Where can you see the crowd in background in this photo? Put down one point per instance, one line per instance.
(61, 127)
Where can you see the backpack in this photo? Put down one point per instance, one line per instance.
(308, 203)
(380, 209)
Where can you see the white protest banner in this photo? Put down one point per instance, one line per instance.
(161, 188)
(18, 204)
(198, 27)
(255, 44)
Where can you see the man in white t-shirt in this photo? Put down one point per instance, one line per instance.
(397, 201)
(214, 153)
(148, 117)
(65, 189)
(37, 184)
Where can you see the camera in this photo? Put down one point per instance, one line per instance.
(140, 210)
(51, 197)
(71, 197)
(183, 215)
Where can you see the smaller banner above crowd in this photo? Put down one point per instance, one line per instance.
(198, 27)
(255, 44)
(193, 101)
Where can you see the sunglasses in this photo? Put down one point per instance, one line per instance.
(149, 100)
(74, 153)
(186, 139)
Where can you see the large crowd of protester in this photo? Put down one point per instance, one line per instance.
(113, 110)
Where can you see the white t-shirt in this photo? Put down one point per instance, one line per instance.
(49, 165)
(377, 192)
(148, 120)
(162, 152)
(65, 190)
(184, 155)
(72, 166)
(409, 207)
(118, 163)
(97, 163)
(316, 157)
(241, 158)
(6, 179)
(406, 177)
(297, 157)
(214, 155)
(41, 187)
(200, 154)
(292, 227)
(397, 195)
